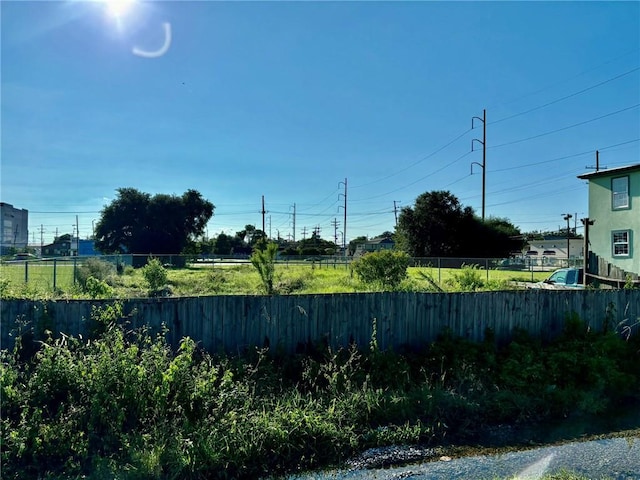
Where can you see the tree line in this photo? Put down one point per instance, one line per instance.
(437, 225)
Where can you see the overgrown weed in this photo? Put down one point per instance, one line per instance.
(124, 403)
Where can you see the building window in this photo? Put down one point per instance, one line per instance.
(620, 242)
(620, 192)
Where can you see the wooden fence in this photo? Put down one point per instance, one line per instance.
(603, 271)
(234, 323)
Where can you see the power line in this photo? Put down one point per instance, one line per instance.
(568, 78)
(565, 97)
(415, 181)
(588, 152)
(416, 162)
(566, 128)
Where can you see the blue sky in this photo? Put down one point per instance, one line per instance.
(287, 100)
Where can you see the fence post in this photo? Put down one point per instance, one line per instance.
(439, 276)
(26, 272)
(75, 269)
(486, 266)
(55, 260)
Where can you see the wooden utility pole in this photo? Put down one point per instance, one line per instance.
(568, 217)
(294, 223)
(395, 211)
(344, 225)
(335, 224)
(585, 265)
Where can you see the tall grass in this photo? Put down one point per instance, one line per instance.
(124, 405)
(243, 280)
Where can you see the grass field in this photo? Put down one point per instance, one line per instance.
(57, 281)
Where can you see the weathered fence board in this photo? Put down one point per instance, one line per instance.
(235, 323)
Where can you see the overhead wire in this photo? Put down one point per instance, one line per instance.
(558, 100)
(418, 180)
(579, 74)
(451, 142)
(565, 128)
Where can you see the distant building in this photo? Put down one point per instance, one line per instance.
(87, 248)
(554, 250)
(374, 245)
(61, 247)
(14, 234)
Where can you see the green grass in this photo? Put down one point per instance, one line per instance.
(41, 277)
(240, 279)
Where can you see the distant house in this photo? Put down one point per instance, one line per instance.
(61, 247)
(614, 207)
(375, 245)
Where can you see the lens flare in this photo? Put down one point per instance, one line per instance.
(118, 8)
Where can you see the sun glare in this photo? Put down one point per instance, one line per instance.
(118, 8)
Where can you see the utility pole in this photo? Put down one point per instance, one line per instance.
(41, 238)
(304, 234)
(484, 155)
(269, 226)
(568, 217)
(344, 229)
(294, 223)
(335, 224)
(585, 266)
(395, 212)
(263, 212)
(597, 167)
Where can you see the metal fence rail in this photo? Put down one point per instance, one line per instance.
(62, 272)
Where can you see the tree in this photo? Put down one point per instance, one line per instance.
(498, 238)
(434, 226)
(438, 225)
(136, 222)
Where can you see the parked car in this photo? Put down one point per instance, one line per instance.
(563, 279)
(24, 256)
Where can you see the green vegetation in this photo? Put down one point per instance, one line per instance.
(438, 225)
(125, 405)
(242, 279)
(155, 275)
(137, 222)
(385, 269)
(264, 261)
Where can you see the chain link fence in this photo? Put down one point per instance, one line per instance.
(64, 272)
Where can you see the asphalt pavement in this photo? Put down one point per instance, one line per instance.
(613, 458)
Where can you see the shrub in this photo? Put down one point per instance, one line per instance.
(155, 275)
(264, 260)
(96, 268)
(98, 288)
(386, 268)
(469, 279)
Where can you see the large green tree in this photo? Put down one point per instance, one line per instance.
(438, 225)
(137, 222)
(433, 227)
